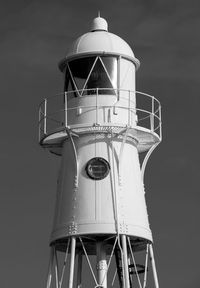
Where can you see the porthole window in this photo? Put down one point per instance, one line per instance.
(97, 168)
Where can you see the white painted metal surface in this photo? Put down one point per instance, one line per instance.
(99, 40)
(100, 116)
(99, 24)
(90, 207)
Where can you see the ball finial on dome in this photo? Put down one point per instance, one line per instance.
(99, 24)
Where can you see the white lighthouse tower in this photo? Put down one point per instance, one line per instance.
(99, 126)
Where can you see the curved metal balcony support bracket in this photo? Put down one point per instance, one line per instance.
(75, 156)
(121, 153)
(146, 158)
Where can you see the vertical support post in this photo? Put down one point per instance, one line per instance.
(79, 272)
(65, 109)
(160, 122)
(152, 114)
(153, 266)
(97, 110)
(101, 265)
(49, 276)
(125, 262)
(135, 117)
(45, 116)
(56, 267)
(130, 275)
(146, 266)
(72, 260)
(118, 76)
(64, 264)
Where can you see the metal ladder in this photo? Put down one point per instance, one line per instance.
(140, 269)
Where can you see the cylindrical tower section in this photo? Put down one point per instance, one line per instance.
(100, 189)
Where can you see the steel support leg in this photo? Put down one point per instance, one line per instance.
(153, 266)
(79, 272)
(49, 276)
(125, 258)
(101, 265)
(72, 260)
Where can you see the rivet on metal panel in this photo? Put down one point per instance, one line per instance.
(76, 181)
(123, 228)
(120, 180)
(102, 265)
(72, 228)
(79, 111)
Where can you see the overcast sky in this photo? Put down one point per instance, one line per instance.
(34, 36)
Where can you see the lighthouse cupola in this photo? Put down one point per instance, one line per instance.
(99, 59)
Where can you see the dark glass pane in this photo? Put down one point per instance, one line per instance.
(69, 85)
(99, 79)
(111, 67)
(80, 69)
(103, 75)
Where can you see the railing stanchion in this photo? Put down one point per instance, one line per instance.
(160, 122)
(65, 109)
(152, 114)
(45, 116)
(151, 111)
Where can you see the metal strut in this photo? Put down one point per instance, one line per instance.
(147, 156)
(75, 155)
(72, 260)
(49, 276)
(155, 276)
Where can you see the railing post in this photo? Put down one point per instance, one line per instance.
(65, 110)
(45, 116)
(152, 114)
(160, 122)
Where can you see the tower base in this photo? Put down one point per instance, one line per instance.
(116, 261)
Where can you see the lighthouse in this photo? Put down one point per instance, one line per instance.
(104, 132)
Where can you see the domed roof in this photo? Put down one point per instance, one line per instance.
(99, 41)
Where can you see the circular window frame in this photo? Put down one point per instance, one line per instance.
(89, 172)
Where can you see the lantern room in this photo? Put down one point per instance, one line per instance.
(99, 91)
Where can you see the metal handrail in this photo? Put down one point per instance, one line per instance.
(99, 89)
(46, 115)
(99, 107)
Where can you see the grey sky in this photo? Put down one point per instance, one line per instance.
(34, 36)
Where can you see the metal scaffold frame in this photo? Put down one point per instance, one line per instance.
(127, 269)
